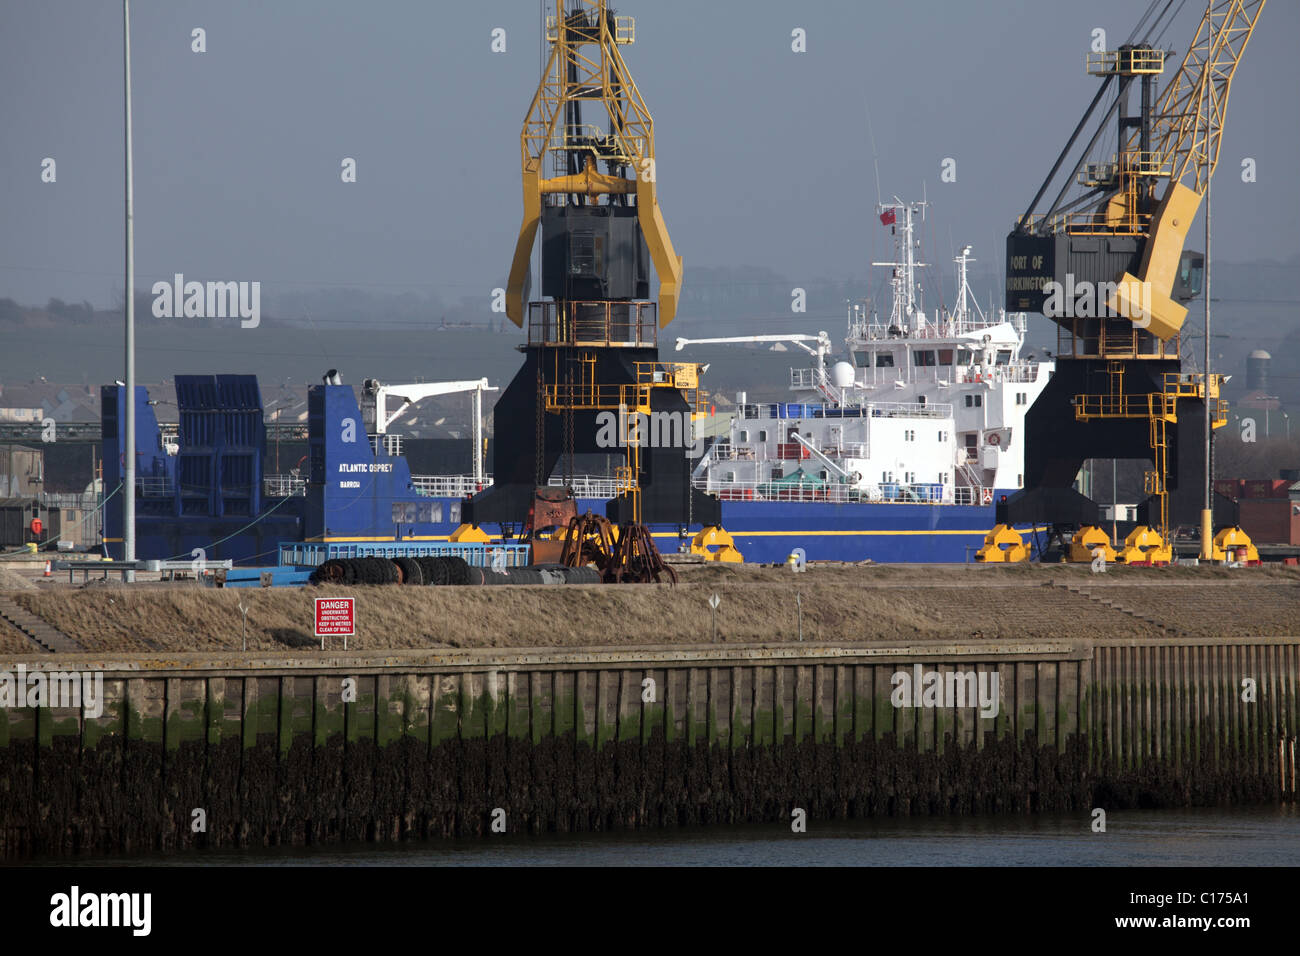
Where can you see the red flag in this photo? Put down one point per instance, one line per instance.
(887, 217)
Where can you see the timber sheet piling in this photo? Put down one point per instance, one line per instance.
(206, 750)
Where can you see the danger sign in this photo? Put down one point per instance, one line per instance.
(335, 617)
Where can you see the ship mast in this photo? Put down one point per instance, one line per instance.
(907, 311)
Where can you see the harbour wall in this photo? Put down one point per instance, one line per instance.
(323, 747)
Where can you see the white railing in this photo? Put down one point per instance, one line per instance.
(151, 487)
(283, 486)
(1020, 373)
(589, 486)
(726, 451)
(776, 490)
(945, 327)
(449, 486)
(807, 378)
(805, 410)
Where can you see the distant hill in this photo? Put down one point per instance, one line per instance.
(410, 337)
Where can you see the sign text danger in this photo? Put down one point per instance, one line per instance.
(335, 617)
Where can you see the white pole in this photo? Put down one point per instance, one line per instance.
(128, 481)
(477, 432)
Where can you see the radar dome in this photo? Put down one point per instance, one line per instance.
(842, 375)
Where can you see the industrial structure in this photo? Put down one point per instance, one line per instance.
(590, 186)
(1108, 265)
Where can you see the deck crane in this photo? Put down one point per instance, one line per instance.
(821, 341)
(378, 393)
(1108, 265)
(590, 188)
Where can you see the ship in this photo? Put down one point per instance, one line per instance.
(900, 450)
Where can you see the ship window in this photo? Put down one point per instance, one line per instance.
(1022, 398)
(909, 477)
(744, 436)
(862, 359)
(884, 360)
(943, 436)
(909, 435)
(945, 356)
(762, 436)
(924, 357)
(1004, 356)
(974, 401)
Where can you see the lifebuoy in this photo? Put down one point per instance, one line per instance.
(987, 495)
(994, 439)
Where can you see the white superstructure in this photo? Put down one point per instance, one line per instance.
(923, 408)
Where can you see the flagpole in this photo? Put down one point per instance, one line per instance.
(128, 478)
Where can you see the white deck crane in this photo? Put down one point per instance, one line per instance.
(821, 340)
(418, 391)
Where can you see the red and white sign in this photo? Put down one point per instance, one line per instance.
(336, 617)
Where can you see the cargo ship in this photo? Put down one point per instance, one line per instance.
(897, 452)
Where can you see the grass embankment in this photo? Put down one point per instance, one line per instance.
(843, 604)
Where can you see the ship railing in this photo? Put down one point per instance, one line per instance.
(805, 410)
(807, 378)
(1018, 373)
(449, 486)
(742, 451)
(589, 486)
(283, 486)
(830, 492)
(152, 487)
(943, 327)
(966, 496)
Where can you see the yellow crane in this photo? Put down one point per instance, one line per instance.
(1125, 233)
(585, 65)
(1187, 133)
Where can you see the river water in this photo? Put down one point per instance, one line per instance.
(1263, 836)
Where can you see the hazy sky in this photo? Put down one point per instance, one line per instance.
(763, 154)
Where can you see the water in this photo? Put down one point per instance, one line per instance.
(1265, 836)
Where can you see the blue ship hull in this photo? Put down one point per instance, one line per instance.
(767, 531)
(209, 496)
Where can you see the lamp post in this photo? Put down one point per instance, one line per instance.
(128, 478)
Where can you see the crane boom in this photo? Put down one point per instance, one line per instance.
(1188, 128)
(1188, 131)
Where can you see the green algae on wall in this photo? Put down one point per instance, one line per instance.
(393, 752)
